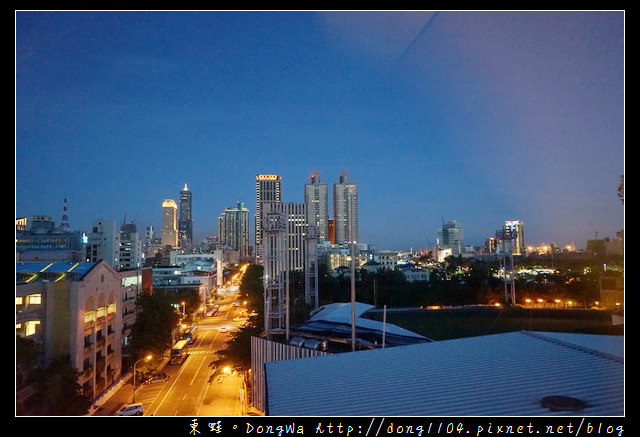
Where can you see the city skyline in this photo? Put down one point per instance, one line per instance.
(478, 117)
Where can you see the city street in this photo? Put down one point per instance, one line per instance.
(193, 389)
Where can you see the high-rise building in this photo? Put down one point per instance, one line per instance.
(268, 195)
(345, 210)
(513, 237)
(185, 222)
(296, 217)
(233, 229)
(317, 204)
(169, 219)
(451, 236)
(130, 247)
(104, 243)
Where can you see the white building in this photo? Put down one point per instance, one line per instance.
(104, 243)
(317, 203)
(345, 210)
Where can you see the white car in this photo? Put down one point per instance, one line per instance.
(131, 410)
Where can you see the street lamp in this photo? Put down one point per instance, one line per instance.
(147, 358)
(183, 308)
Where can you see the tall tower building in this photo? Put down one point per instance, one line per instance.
(295, 215)
(185, 223)
(233, 228)
(268, 196)
(169, 222)
(513, 237)
(316, 201)
(130, 247)
(450, 236)
(345, 210)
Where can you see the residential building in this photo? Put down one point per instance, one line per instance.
(42, 240)
(131, 255)
(345, 210)
(317, 204)
(233, 229)
(104, 243)
(268, 192)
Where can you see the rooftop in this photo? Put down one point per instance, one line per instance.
(509, 374)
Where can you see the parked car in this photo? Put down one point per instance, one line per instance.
(131, 410)
(158, 377)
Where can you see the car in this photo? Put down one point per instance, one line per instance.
(131, 410)
(223, 329)
(158, 377)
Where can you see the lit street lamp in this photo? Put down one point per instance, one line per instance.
(147, 358)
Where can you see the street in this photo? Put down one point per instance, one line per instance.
(193, 387)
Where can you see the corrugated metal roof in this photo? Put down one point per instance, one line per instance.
(495, 375)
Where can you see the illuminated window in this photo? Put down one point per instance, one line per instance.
(89, 316)
(34, 299)
(100, 312)
(111, 308)
(30, 327)
(19, 301)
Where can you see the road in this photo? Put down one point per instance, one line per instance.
(193, 389)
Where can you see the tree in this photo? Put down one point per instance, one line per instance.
(152, 330)
(59, 390)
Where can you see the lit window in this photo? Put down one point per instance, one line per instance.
(30, 327)
(35, 299)
(19, 300)
(89, 316)
(100, 312)
(111, 308)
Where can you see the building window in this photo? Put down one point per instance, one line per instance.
(34, 299)
(30, 327)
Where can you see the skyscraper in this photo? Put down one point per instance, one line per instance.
(345, 210)
(451, 236)
(185, 223)
(233, 228)
(295, 215)
(513, 237)
(268, 195)
(316, 201)
(169, 219)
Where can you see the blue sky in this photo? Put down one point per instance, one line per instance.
(478, 117)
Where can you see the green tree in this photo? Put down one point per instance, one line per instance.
(152, 330)
(59, 390)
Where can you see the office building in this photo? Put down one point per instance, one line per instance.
(42, 240)
(268, 195)
(513, 237)
(345, 210)
(185, 222)
(169, 223)
(233, 229)
(450, 236)
(317, 204)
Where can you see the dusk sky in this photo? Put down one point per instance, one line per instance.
(478, 117)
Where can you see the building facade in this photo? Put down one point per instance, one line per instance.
(74, 310)
(233, 229)
(345, 210)
(169, 223)
(316, 200)
(268, 195)
(185, 222)
(104, 243)
(450, 236)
